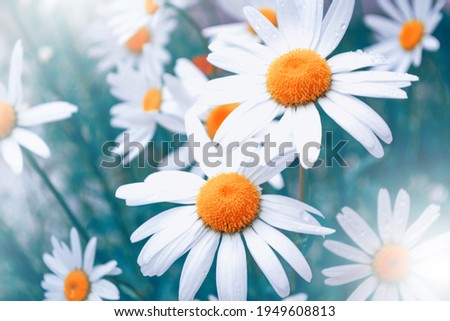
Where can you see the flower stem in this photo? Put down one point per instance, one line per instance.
(73, 219)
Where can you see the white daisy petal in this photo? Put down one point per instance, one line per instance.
(310, 21)
(421, 291)
(358, 230)
(383, 26)
(381, 292)
(416, 231)
(76, 247)
(12, 155)
(158, 188)
(349, 61)
(56, 267)
(430, 43)
(431, 247)
(289, 22)
(276, 182)
(197, 265)
(266, 30)
(347, 252)
(307, 134)
(374, 76)
(173, 124)
(364, 290)
(370, 89)
(405, 8)
(401, 215)
(392, 293)
(406, 292)
(288, 205)
(31, 141)
(267, 262)
(231, 271)
(260, 51)
(334, 26)
(46, 113)
(384, 216)
(236, 60)
(344, 274)
(3, 93)
(100, 271)
(15, 75)
(391, 10)
(106, 290)
(94, 297)
(285, 247)
(89, 255)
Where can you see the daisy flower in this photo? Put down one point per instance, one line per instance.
(186, 88)
(74, 276)
(242, 28)
(294, 297)
(390, 262)
(112, 49)
(218, 213)
(290, 76)
(16, 117)
(146, 103)
(407, 32)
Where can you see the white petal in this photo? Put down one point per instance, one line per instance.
(297, 297)
(307, 134)
(15, 75)
(358, 230)
(347, 252)
(384, 216)
(89, 255)
(56, 267)
(46, 113)
(353, 126)
(310, 20)
(421, 291)
(276, 181)
(349, 61)
(171, 123)
(100, 271)
(383, 26)
(370, 89)
(12, 155)
(285, 247)
(236, 60)
(197, 265)
(400, 215)
(266, 30)
(31, 141)
(106, 290)
(167, 186)
(381, 293)
(390, 9)
(421, 8)
(76, 247)
(267, 262)
(406, 9)
(430, 43)
(288, 205)
(416, 231)
(435, 246)
(3, 93)
(386, 77)
(231, 274)
(344, 274)
(288, 18)
(335, 25)
(364, 290)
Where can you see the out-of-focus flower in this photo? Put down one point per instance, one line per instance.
(146, 103)
(406, 33)
(74, 276)
(112, 49)
(224, 208)
(241, 28)
(289, 76)
(294, 297)
(15, 115)
(391, 263)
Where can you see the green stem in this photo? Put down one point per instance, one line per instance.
(73, 219)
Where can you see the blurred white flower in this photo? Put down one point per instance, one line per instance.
(294, 297)
(224, 208)
(290, 76)
(392, 263)
(146, 103)
(112, 49)
(74, 276)
(15, 115)
(406, 33)
(45, 54)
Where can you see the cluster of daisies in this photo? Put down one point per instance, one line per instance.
(280, 69)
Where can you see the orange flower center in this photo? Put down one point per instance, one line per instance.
(7, 119)
(77, 286)
(204, 65)
(152, 100)
(228, 203)
(151, 6)
(270, 14)
(298, 78)
(392, 263)
(411, 34)
(217, 116)
(137, 41)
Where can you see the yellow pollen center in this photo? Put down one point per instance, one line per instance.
(152, 100)
(7, 119)
(217, 116)
(151, 6)
(411, 34)
(298, 78)
(392, 263)
(137, 41)
(228, 203)
(77, 286)
(270, 14)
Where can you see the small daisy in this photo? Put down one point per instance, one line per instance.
(294, 297)
(74, 276)
(112, 49)
(391, 262)
(407, 32)
(242, 28)
(218, 214)
(188, 87)
(146, 103)
(291, 76)
(15, 116)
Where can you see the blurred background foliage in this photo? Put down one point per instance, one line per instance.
(57, 68)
